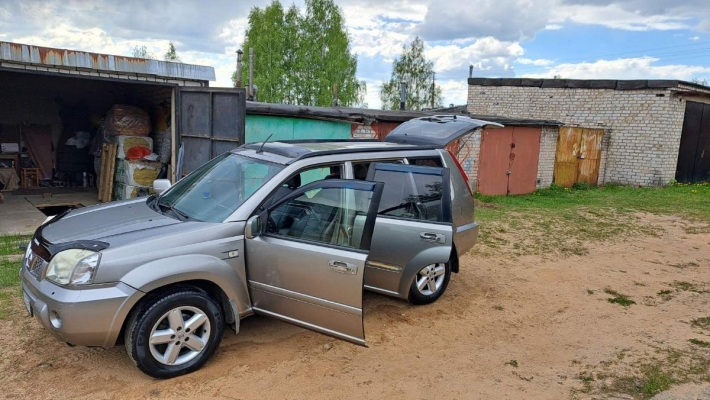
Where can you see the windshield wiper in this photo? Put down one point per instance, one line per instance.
(169, 207)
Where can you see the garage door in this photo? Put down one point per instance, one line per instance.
(694, 154)
(578, 156)
(210, 122)
(508, 160)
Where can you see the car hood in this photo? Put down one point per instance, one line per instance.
(114, 223)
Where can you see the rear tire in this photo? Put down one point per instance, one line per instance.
(430, 283)
(175, 334)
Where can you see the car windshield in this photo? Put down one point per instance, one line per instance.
(215, 190)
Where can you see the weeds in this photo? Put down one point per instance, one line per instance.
(703, 323)
(665, 295)
(513, 363)
(700, 343)
(498, 307)
(618, 298)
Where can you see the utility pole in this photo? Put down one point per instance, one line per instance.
(239, 68)
(433, 89)
(403, 96)
(250, 92)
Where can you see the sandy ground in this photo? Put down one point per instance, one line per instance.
(534, 310)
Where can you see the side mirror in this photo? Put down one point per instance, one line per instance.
(253, 228)
(161, 185)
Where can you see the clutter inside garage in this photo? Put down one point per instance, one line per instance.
(55, 134)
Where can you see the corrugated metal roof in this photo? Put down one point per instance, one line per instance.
(64, 58)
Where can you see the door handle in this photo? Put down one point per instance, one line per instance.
(342, 267)
(432, 237)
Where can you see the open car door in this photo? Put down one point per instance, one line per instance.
(306, 263)
(413, 229)
(437, 130)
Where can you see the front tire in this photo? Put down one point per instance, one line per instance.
(430, 283)
(174, 335)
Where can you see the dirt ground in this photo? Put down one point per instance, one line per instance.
(508, 327)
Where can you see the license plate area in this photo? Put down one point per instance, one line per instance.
(28, 303)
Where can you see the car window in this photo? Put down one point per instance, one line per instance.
(360, 168)
(215, 190)
(334, 216)
(411, 195)
(302, 178)
(426, 161)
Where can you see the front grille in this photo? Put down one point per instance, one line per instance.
(35, 264)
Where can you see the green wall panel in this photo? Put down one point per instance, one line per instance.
(259, 127)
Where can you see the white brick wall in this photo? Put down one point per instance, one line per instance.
(470, 146)
(548, 148)
(643, 126)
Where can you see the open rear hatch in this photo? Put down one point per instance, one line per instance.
(437, 130)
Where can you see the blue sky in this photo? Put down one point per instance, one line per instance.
(586, 39)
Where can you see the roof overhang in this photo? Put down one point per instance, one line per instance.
(119, 65)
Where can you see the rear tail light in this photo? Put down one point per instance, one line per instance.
(462, 172)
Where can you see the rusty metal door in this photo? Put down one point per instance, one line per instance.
(578, 156)
(211, 121)
(494, 161)
(524, 157)
(508, 160)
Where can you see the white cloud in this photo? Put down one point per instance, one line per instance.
(487, 53)
(624, 68)
(695, 38)
(615, 16)
(540, 62)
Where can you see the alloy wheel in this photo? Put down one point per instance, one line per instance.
(179, 336)
(431, 278)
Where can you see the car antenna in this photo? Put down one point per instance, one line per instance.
(261, 148)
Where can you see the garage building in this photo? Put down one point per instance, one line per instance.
(48, 96)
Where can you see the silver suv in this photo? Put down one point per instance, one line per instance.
(291, 230)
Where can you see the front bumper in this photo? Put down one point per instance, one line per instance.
(90, 316)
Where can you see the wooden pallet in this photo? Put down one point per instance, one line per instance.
(108, 169)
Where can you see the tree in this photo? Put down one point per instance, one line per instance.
(171, 55)
(700, 81)
(142, 52)
(417, 72)
(299, 57)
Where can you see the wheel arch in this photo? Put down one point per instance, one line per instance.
(420, 261)
(208, 274)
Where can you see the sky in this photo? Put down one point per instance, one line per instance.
(575, 39)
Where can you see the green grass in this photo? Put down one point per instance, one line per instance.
(9, 286)
(700, 343)
(618, 298)
(9, 273)
(564, 221)
(688, 201)
(9, 244)
(703, 323)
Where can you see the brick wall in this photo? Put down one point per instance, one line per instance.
(470, 148)
(643, 126)
(548, 148)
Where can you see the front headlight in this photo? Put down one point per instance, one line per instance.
(73, 267)
(28, 251)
